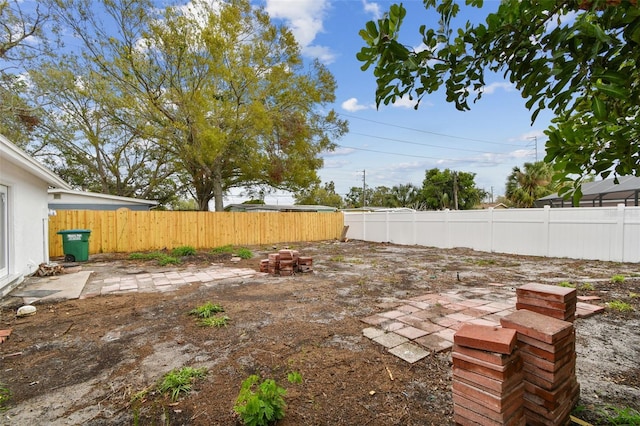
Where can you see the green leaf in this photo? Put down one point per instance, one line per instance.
(617, 92)
(599, 108)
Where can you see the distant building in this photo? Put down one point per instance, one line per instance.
(277, 208)
(67, 199)
(603, 193)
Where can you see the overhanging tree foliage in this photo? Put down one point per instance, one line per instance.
(578, 58)
(217, 86)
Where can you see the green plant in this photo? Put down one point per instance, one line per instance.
(634, 295)
(214, 321)
(179, 381)
(337, 258)
(207, 310)
(244, 253)
(294, 377)
(260, 404)
(5, 395)
(566, 284)
(138, 256)
(620, 416)
(587, 287)
(183, 251)
(617, 278)
(166, 260)
(162, 258)
(620, 306)
(222, 249)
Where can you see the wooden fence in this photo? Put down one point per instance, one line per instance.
(135, 231)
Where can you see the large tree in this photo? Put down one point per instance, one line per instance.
(578, 58)
(325, 195)
(218, 86)
(525, 185)
(450, 189)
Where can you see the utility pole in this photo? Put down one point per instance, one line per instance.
(364, 188)
(455, 190)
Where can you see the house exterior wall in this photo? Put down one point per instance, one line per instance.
(28, 223)
(66, 200)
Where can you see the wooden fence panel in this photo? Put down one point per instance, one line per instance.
(136, 231)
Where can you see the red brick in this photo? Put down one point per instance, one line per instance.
(491, 339)
(486, 369)
(465, 416)
(534, 376)
(549, 304)
(546, 350)
(568, 388)
(490, 357)
(537, 414)
(5, 333)
(568, 315)
(483, 410)
(497, 404)
(548, 292)
(545, 365)
(585, 310)
(537, 326)
(486, 383)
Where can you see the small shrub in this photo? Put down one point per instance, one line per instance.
(162, 258)
(617, 278)
(207, 310)
(222, 249)
(294, 377)
(183, 251)
(620, 306)
(620, 416)
(214, 321)
(260, 404)
(244, 253)
(587, 287)
(566, 284)
(168, 260)
(138, 256)
(177, 382)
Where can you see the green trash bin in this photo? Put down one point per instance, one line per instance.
(75, 244)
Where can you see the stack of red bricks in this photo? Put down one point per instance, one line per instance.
(553, 301)
(547, 348)
(285, 263)
(488, 387)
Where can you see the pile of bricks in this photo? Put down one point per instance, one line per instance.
(286, 263)
(553, 301)
(547, 348)
(488, 385)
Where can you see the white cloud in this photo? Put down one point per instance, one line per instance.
(323, 53)
(529, 137)
(335, 164)
(337, 152)
(491, 88)
(372, 8)
(305, 19)
(352, 105)
(405, 102)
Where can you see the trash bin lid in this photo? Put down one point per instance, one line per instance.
(74, 231)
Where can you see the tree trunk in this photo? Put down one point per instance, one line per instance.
(218, 192)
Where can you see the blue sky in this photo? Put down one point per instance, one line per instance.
(396, 144)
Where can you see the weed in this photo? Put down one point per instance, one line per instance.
(214, 321)
(5, 395)
(634, 295)
(177, 382)
(183, 251)
(139, 396)
(485, 262)
(162, 258)
(356, 261)
(207, 310)
(260, 404)
(294, 377)
(587, 287)
(222, 249)
(620, 306)
(617, 278)
(244, 253)
(337, 258)
(138, 256)
(620, 416)
(566, 284)
(166, 260)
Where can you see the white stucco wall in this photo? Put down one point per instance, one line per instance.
(28, 220)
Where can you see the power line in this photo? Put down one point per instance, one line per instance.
(422, 144)
(480, 160)
(426, 131)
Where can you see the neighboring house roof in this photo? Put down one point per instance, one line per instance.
(67, 199)
(601, 193)
(11, 153)
(278, 208)
(379, 209)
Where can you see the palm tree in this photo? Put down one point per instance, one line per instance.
(525, 186)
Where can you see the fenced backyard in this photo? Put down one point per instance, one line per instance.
(599, 233)
(132, 231)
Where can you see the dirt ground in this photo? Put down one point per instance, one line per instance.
(82, 361)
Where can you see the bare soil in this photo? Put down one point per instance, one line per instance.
(82, 361)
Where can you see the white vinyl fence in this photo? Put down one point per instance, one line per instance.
(598, 233)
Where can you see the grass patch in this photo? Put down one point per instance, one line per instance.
(220, 321)
(337, 258)
(619, 306)
(587, 287)
(294, 377)
(183, 251)
(566, 284)
(207, 310)
(634, 295)
(260, 404)
(5, 395)
(161, 258)
(485, 262)
(617, 278)
(177, 382)
(620, 416)
(244, 253)
(222, 249)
